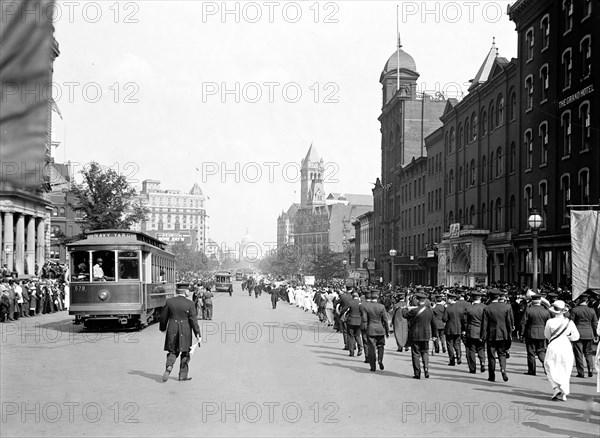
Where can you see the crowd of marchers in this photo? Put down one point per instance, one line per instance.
(560, 333)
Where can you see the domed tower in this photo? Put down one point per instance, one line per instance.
(311, 173)
(406, 81)
(248, 250)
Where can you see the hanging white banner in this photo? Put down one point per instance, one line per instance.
(585, 248)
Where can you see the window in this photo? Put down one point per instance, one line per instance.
(544, 142)
(491, 213)
(484, 123)
(499, 167)
(128, 265)
(499, 214)
(528, 198)
(529, 148)
(460, 136)
(586, 132)
(529, 42)
(513, 106)
(568, 14)
(565, 192)
(483, 169)
(451, 182)
(586, 56)
(545, 82)
(104, 266)
(80, 266)
(472, 215)
(473, 170)
(492, 116)
(467, 131)
(460, 178)
(566, 132)
(500, 119)
(567, 63)
(584, 186)
(492, 164)
(545, 27)
(513, 157)
(474, 121)
(529, 92)
(544, 202)
(587, 8)
(450, 218)
(452, 139)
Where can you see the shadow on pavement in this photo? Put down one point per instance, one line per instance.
(156, 377)
(563, 432)
(363, 370)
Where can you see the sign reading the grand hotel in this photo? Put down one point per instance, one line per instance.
(572, 98)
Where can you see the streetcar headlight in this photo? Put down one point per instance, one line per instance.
(103, 294)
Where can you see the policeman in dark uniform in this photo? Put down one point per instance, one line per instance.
(179, 319)
(471, 323)
(586, 321)
(496, 329)
(533, 325)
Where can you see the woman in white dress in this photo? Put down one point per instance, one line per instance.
(558, 364)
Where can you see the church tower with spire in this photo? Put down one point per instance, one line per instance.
(312, 169)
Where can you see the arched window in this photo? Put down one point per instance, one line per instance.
(499, 214)
(566, 132)
(586, 132)
(460, 136)
(450, 218)
(475, 126)
(543, 131)
(499, 167)
(467, 132)
(513, 156)
(451, 182)
(484, 123)
(543, 190)
(585, 48)
(492, 116)
(491, 213)
(513, 106)
(500, 120)
(452, 139)
(473, 172)
(529, 148)
(460, 179)
(584, 186)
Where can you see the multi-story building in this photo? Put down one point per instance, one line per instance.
(175, 216)
(559, 135)
(363, 243)
(407, 118)
(25, 206)
(479, 163)
(320, 221)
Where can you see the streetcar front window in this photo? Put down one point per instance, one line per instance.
(80, 266)
(104, 266)
(129, 265)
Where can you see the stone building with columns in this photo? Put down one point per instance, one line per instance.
(25, 210)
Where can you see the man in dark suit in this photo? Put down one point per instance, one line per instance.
(353, 321)
(438, 316)
(586, 321)
(496, 327)
(365, 299)
(422, 328)
(452, 320)
(471, 326)
(179, 319)
(341, 303)
(374, 320)
(533, 324)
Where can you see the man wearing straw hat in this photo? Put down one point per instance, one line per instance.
(178, 320)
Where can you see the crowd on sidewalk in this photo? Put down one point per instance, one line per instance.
(24, 298)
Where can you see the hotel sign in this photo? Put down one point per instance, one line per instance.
(573, 97)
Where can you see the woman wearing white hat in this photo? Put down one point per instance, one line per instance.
(558, 364)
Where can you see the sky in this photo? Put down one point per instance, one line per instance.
(232, 94)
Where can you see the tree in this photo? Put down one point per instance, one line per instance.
(328, 265)
(187, 260)
(106, 200)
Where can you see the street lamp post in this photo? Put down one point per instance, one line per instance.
(393, 253)
(345, 263)
(535, 223)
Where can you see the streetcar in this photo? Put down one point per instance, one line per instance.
(119, 276)
(223, 282)
(239, 276)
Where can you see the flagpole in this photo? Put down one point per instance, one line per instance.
(397, 50)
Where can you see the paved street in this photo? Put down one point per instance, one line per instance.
(261, 372)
